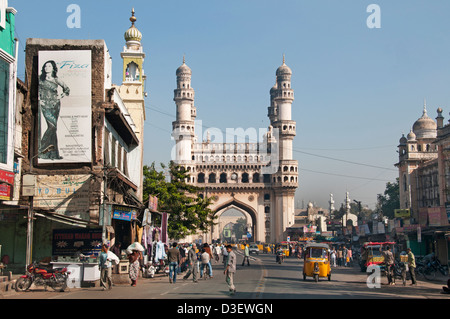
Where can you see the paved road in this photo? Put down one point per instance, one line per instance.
(262, 280)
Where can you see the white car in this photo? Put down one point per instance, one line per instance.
(253, 249)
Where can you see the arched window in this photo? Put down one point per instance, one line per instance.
(201, 178)
(245, 178)
(223, 178)
(212, 178)
(256, 178)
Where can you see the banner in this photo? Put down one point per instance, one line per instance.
(66, 242)
(64, 121)
(6, 184)
(65, 194)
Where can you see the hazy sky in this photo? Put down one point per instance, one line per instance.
(357, 89)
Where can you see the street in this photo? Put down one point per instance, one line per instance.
(264, 279)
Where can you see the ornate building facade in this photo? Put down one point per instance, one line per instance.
(256, 177)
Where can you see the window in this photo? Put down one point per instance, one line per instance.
(201, 178)
(245, 178)
(4, 109)
(223, 178)
(212, 178)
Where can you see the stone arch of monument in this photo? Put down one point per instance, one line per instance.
(248, 211)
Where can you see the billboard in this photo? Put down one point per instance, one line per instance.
(64, 123)
(66, 194)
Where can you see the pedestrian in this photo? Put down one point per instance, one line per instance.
(208, 250)
(217, 251)
(230, 269)
(205, 259)
(350, 257)
(389, 262)
(105, 269)
(246, 255)
(192, 263)
(224, 254)
(412, 266)
(333, 257)
(182, 259)
(174, 259)
(133, 258)
(340, 255)
(344, 253)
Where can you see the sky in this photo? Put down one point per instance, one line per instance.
(357, 89)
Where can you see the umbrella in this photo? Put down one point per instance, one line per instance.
(135, 246)
(113, 257)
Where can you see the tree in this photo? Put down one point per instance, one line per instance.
(188, 211)
(390, 201)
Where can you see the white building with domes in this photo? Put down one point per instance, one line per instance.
(418, 166)
(257, 178)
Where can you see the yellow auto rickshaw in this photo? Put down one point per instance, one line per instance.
(316, 261)
(285, 247)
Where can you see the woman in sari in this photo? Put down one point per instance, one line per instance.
(50, 105)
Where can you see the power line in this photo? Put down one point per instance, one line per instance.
(299, 151)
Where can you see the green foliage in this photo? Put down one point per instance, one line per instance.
(189, 213)
(390, 201)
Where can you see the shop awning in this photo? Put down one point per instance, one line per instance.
(65, 219)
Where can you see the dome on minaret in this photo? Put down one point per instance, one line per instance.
(411, 136)
(284, 69)
(184, 69)
(403, 140)
(425, 126)
(133, 34)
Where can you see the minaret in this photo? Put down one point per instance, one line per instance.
(183, 128)
(132, 90)
(285, 180)
(283, 98)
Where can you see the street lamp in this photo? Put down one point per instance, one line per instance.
(30, 211)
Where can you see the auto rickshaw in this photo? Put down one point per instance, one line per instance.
(371, 254)
(267, 249)
(285, 247)
(316, 261)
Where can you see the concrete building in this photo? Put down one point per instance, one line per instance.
(423, 182)
(82, 172)
(256, 176)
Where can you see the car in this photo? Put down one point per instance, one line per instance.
(253, 248)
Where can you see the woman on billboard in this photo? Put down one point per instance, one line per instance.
(50, 104)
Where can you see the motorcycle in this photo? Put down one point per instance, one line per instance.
(41, 276)
(280, 256)
(148, 271)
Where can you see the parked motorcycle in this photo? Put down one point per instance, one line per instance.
(148, 271)
(41, 276)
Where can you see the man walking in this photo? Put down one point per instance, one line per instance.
(246, 255)
(389, 262)
(192, 263)
(230, 269)
(412, 266)
(174, 258)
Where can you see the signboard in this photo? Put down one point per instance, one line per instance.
(67, 242)
(65, 194)
(65, 123)
(402, 213)
(6, 184)
(124, 213)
